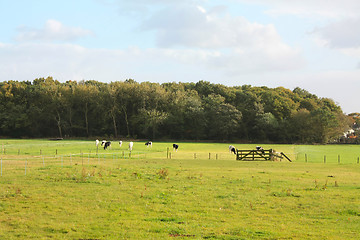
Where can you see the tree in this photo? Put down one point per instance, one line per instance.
(326, 125)
(223, 119)
(266, 126)
(14, 115)
(194, 116)
(151, 120)
(85, 97)
(46, 107)
(111, 103)
(301, 128)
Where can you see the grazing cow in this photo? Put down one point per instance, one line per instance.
(232, 149)
(97, 142)
(175, 147)
(106, 145)
(131, 144)
(103, 142)
(258, 148)
(120, 143)
(149, 143)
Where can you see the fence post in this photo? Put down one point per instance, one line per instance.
(358, 160)
(305, 157)
(209, 156)
(56, 152)
(324, 158)
(167, 154)
(170, 155)
(194, 155)
(339, 159)
(216, 156)
(18, 151)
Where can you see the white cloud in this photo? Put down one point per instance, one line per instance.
(337, 21)
(189, 36)
(241, 45)
(341, 34)
(193, 26)
(144, 8)
(52, 31)
(26, 61)
(310, 8)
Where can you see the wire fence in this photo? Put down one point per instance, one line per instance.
(18, 163)
(21, 162)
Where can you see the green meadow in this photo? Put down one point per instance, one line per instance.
(71, 190)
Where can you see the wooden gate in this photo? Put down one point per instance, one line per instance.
(259, 155)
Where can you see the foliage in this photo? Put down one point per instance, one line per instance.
(193, 111)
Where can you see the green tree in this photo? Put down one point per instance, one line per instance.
(223, 119)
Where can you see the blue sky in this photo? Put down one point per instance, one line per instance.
(310, 44)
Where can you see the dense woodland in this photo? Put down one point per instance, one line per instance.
(45, 107)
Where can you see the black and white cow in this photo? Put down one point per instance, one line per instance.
(97, 142)
(232, 149)
(149, 143)
(120, 143)
(258, 148)
(106, 145)
(175, 147)
(131, 144)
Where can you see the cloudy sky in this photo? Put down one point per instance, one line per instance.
(310, 44)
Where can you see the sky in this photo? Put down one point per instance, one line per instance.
(314, 45)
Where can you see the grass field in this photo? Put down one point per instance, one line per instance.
(65, 190)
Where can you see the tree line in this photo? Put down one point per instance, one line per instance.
(45, 107)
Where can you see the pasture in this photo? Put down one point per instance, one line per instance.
(71, 190)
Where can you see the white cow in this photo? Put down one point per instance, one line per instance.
(97, 142)
(131, 144)
(232, 149)
(120, 143)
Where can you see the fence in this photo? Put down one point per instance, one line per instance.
(20, 161)
(327, 158)
(15, 161)
(23, 163)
